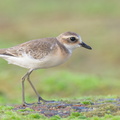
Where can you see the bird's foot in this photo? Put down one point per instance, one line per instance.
(27, 104)
(44, 101)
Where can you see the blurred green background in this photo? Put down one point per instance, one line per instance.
(86, 73)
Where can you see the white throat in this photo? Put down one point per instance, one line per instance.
(72, 47)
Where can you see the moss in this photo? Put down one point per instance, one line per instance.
(86, 102)
(26, 109)
(35, 116)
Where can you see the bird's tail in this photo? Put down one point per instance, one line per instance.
(2, 52)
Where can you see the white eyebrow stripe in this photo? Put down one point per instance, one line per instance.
(68, 36)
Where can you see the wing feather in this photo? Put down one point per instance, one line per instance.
(35, 48)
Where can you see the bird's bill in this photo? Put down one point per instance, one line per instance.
(85, 45)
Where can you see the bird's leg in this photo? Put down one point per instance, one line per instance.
(27, 76)
(39, 97)
(23, 89)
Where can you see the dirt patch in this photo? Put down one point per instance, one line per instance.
(88, 108)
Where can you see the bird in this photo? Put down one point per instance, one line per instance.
(42, 53)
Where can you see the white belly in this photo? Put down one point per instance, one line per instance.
(29, 62)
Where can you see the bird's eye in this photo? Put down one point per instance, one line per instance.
(73, 39)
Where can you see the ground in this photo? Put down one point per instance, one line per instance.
(89, 109)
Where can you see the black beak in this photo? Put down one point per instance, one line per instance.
(85, 45)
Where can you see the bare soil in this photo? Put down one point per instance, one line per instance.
(89, 108)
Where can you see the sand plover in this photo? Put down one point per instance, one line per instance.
(42, 53)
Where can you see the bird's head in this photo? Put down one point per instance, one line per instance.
(71, 41)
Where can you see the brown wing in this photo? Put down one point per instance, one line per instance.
(36, 48)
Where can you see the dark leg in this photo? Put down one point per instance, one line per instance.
(23, 93)
(23, 89)
(39, 97)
